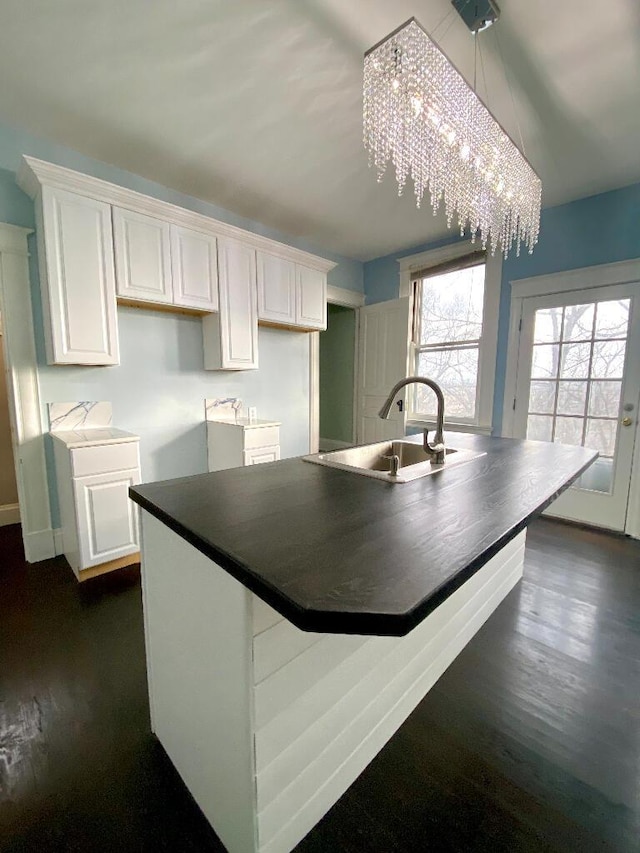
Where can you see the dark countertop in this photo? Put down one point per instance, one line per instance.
(337, 552)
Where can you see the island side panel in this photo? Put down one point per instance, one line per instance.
(326, 704)
(198, 639)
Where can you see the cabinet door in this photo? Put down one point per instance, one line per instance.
(107, 520)
(311, 298)
(143, 256)
(276, 289)
(195, 269)
(75, 245)
(261, 455)
(231, 337)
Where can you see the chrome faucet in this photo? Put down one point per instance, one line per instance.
(435, 451)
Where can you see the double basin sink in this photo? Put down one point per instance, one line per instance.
(377, 460)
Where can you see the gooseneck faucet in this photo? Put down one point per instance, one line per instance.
(436, 450)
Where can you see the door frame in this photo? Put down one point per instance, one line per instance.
(348, 299)
(585, 278)
(23, 392)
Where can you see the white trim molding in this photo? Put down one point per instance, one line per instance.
(344, 297)
(601, 275)
(23, 393)
(314, 392)
(413, 264)
(33, 173)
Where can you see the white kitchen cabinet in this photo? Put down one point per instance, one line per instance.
(230, 338)
(142, 247)
(194, 268)
(311, 298)
(290, 294)
(233, 444)
(276, 289)
(75, 248)
(94, 470)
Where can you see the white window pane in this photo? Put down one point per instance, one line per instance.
(456, 371)
(578, 322)
(601, 436)
(604, 399)
(608, 359)
(598, 477)
(568, 431)
(574, 361)
(612, 319)
(545, 361)
(539, 428)
(572, 398)
(542, 396)
(451, 307)
(548, 325)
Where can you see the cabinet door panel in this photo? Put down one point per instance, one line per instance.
(311, 303)
(76, 263)
(261, 455)
(143, 256)
(107, 519)
(276, 289)
(231, 337)
(195, 269)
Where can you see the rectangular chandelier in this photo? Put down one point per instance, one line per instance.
(420, 113)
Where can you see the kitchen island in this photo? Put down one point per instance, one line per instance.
(296, 614)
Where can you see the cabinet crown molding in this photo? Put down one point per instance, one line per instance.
(34, 173)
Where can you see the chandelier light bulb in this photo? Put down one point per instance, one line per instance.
(423, 117)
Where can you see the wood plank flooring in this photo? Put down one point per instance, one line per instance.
(529, 742)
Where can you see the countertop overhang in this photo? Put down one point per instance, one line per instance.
(336, 552)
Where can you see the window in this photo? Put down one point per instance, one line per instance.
(448, 331)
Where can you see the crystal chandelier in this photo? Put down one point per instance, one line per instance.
(421, 114)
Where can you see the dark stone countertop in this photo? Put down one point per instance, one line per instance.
(337, 552)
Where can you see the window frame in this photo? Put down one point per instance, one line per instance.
(411, 270)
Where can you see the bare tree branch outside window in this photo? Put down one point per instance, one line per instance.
(448, 332)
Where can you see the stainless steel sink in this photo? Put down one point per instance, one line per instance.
(376, 460)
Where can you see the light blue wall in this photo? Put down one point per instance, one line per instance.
(158, 390)
(600, 229)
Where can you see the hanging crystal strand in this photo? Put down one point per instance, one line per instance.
(420, 115)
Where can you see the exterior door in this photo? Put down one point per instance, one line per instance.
(382, 361)
(579, 383)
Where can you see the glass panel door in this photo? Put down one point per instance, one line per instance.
(575, 387)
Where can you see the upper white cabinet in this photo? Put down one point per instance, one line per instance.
(291, 294)
(143, 256)
(75, 248)
(231, 337)
(194, 269)
(276, 289)
(163, 263)
(311, 298)
(99, 242)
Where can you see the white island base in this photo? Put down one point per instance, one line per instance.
(269, 725)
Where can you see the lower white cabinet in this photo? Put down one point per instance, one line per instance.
(233, 444)
(99, 522)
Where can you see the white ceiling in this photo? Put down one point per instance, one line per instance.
(255, 105)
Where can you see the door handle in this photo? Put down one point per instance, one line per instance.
(627, 421)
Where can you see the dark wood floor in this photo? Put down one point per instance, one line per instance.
(529, 742)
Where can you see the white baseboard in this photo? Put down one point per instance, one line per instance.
(39, 546)
(327, 444)
(9, 514)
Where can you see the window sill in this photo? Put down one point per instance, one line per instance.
(476, 429)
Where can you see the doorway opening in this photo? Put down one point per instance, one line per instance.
(337, 377)
(9, 507)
